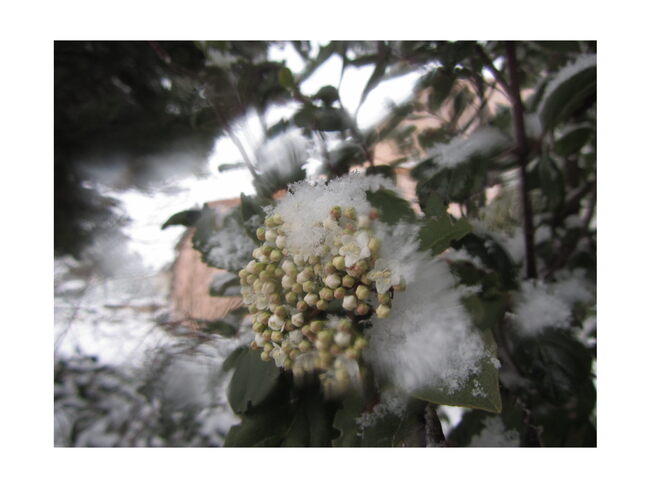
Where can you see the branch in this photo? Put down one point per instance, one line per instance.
(522, 156)
(513, 91)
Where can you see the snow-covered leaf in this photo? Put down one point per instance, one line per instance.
(222, 240)
(481, 390)
(570, 89)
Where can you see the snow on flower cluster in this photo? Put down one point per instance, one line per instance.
(483, 141)
(429, 339)
(332, 284)
(307, 206)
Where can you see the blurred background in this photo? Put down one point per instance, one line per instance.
(144, 130)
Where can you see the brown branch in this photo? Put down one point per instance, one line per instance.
(513, 91)
(522, 155)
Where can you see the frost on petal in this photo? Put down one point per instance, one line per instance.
(428, 340)
(537, 307)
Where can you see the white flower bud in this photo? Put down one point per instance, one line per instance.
(281, 242)
(350, 302)
(333, 281)
(287, 282)
(276, 323)
(343, 339)
(311, 299)
(383, 311)
(289, 268)
(298, 319)
(270, 235)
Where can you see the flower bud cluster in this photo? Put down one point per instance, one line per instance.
(308, 309)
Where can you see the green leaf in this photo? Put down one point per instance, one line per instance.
(327, 94)
(252, 382)
(481, 390)
(345, 421)
(572, 141)
(486, 312)
(556, 361)
(382, 170)
(392, 208)
(311, 425)
(572, 94)
(441, 84)
(187, 218)
(263, 429)
(389, 430)
(285, 77)
(551, 181)
(222, 240)
(439, 230)
(252, 214)
(493, 256)
(232, 358)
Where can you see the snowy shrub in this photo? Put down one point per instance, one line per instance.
(365, 308)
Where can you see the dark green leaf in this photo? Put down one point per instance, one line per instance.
(573, 94)
(441, 84)
(232, 358)
(252, 214)
(285, 77)
(311, 425)
(439, 231)
(391, 207)
(382, 170)
(187, 218)
(572, 141)
(252, 382)
(481, 390)
(557, 362)
(346, 422)
(551, 181)
(263, 429)
(383, 55)
(327, 94)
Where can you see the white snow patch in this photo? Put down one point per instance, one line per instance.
(494, 434)
(307, 205)
(391, 402)
(428, 340)
(483, 141)
(537, 307)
